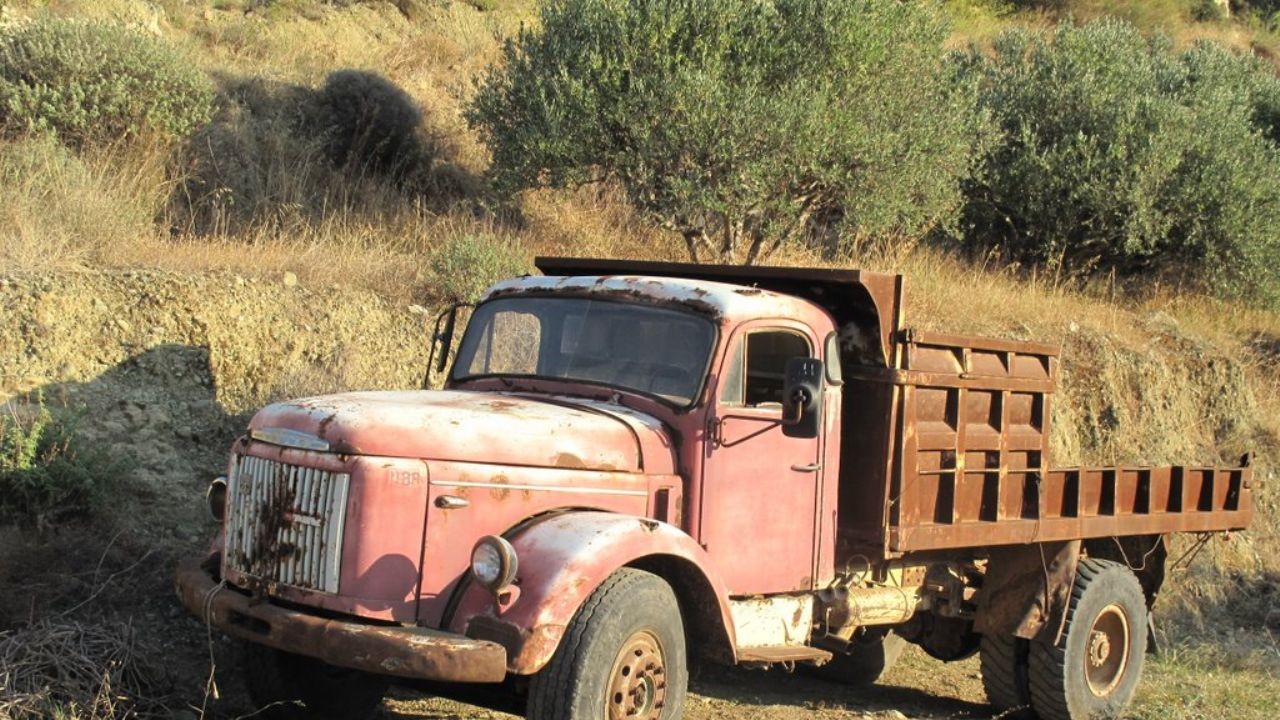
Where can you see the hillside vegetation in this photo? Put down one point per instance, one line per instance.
(321, 178)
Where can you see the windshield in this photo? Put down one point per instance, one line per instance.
(637, 347)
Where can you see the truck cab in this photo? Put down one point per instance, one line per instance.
(631, 464)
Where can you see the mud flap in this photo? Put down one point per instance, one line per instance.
(1026, 590)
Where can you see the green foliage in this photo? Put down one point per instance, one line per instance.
(1261, 15)
(94, 83)
(741, 124)
(1207, 11)
(469, 264)
(1120, 155)
(47, 471)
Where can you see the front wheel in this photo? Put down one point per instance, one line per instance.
(622, 656)
(1093, 670)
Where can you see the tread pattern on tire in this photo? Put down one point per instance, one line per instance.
(278, 686)
(1004, 671)
(547, 695)
(266, 683)
(1048, 662)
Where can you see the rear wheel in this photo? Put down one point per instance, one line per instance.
(1094, 669)
(1004, 671)
(622, 656)
(293, 686)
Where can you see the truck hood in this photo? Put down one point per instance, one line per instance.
(498, 428)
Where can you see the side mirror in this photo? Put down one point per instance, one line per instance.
(441, 341)
(802, 398)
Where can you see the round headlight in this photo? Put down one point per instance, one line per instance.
(493, 562)
(216, 495)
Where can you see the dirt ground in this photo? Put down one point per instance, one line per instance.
(919, 688)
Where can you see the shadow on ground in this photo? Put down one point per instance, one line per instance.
(778, 687)
(157, 412)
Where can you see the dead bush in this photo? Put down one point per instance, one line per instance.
(371, 125)
(88, 672)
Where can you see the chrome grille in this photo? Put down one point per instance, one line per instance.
(285, 523)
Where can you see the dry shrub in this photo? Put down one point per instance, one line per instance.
(89, 672)
(254, 164)
(371, 124)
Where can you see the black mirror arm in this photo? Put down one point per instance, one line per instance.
(442, 335)
(446, 338)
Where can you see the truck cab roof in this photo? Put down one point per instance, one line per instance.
(872, 301)
(721, 301)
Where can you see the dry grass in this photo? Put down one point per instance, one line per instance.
(60, 210)
(328, 227)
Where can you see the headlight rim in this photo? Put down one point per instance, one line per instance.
(215, 497)
(509, 562)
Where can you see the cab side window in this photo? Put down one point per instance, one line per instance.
(754, 375)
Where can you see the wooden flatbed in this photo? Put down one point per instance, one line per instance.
(967, 458)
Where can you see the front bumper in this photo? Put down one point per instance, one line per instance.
(409, 652)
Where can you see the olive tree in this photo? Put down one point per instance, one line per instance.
(1120, 154)
(740, 124)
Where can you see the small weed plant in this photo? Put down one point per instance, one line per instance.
(48, 472)
(469, 264)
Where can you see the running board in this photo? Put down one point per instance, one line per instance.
(782, 653)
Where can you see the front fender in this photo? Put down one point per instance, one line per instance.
(562, 560)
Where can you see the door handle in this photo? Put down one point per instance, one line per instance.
(451, 502)
(811, 467)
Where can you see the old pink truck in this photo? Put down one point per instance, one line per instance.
(634, 464)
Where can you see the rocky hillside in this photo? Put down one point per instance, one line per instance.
(163, 368)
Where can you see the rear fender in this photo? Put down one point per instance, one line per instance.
(564, 558)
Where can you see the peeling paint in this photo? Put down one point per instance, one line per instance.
(714, 299)
(511, 429)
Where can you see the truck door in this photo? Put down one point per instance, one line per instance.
(759, 487)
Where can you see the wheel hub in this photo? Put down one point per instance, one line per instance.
(1107, 655)
(1099, 648)
(638, 683)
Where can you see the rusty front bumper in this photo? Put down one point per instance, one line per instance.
(410, 652)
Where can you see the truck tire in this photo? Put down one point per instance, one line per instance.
(867, 661)
(1004, 671)
(622, 656)
(292, 686)
(1093, 670)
